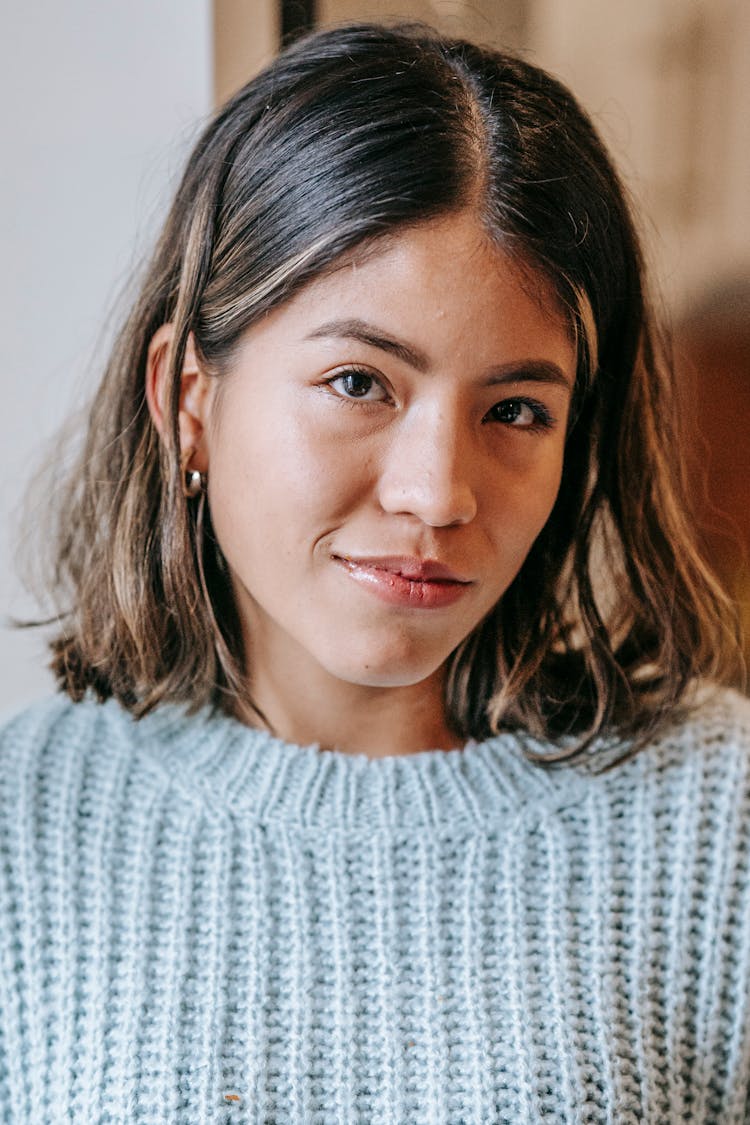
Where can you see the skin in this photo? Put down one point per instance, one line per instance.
(452, 452)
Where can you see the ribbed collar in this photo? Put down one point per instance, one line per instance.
(249, 773)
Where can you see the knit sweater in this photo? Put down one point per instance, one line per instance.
(202, 924)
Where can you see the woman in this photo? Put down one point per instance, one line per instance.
(377, 520)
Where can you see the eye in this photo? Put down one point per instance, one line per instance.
(357, 384)
(522, 414)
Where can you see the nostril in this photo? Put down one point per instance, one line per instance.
(436, 502)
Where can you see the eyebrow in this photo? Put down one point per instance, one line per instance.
(517, 371)
(354, 329)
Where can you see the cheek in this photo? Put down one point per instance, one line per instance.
(519, 520)
(523, 503)
(279, 484)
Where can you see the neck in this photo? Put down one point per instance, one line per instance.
(309, 706)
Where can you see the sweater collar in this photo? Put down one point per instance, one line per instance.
(247, 772)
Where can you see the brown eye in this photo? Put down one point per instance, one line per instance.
(513, 412)
(521, 413)
(358, 384)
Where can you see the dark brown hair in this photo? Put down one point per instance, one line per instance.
(351, 134)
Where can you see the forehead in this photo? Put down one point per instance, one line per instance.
(440, 268)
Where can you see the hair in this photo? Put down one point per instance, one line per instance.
(351, 134)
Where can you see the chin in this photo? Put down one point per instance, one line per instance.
(390, 667)
(389, 678)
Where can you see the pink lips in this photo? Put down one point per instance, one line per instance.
(406, 581)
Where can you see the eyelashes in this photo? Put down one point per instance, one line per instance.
(356, 385)
(522, 413)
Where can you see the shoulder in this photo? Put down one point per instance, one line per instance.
(62, 728)
(700, 758)
(58, 746)
(718, 712)
(54, 727)
(713, 727)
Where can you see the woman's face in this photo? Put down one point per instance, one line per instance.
(383, 453)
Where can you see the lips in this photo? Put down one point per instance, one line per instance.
(406, 581)
(416, 570)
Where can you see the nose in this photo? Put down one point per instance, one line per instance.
(427, 469)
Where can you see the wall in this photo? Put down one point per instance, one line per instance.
(246, 37)
(492, 21)
(100, 104)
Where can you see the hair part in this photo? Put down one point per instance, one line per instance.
(352, 135)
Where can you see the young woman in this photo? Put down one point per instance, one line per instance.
(376, 523)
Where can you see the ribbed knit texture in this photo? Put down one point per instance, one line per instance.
(200, 924)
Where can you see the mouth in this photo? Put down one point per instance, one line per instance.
(406, 581)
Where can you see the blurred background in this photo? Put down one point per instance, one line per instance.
(103, 102)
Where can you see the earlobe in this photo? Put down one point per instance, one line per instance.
(194, 397)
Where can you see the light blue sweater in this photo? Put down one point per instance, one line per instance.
(200, 924)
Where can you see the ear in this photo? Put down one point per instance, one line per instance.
(195, 388)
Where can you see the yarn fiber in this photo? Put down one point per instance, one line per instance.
(200, 924)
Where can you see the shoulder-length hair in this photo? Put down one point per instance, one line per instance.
(351, 134)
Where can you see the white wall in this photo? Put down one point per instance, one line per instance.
(100, 104)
